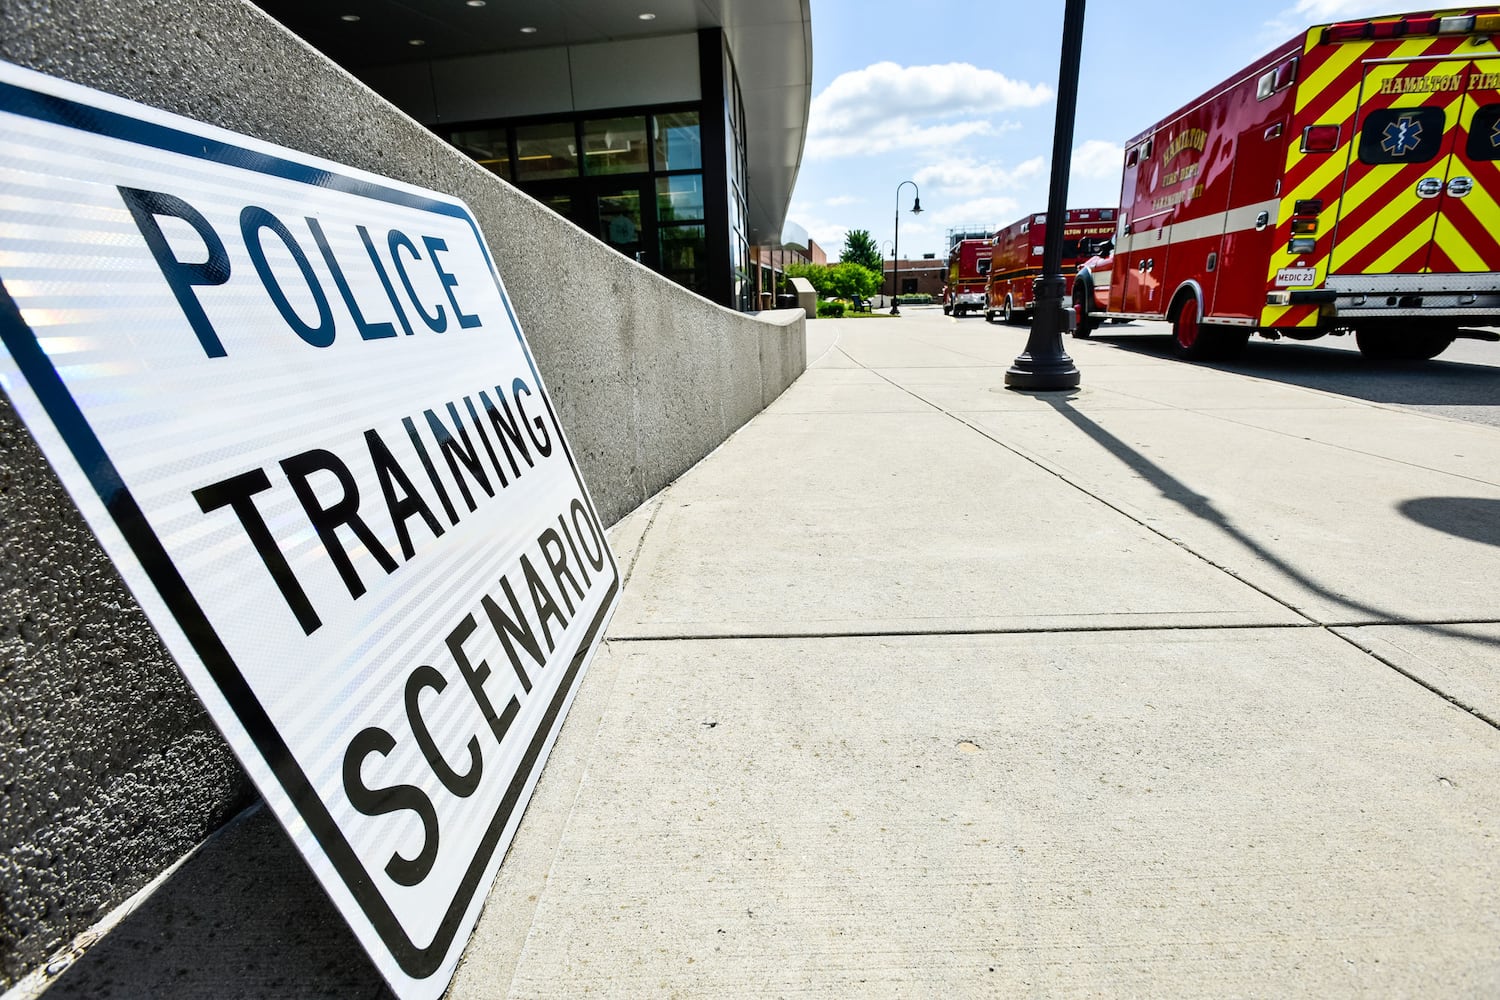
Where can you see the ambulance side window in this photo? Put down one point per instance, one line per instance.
(1484, 134)
(1401, 135)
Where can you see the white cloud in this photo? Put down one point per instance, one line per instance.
(898, 133)
(1315, 11)
(978, 213)
(842, 199)
(887, 106)
(1098, 158)
(967, 175)
(1305, 13)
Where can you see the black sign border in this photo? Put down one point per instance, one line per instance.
(416, 961)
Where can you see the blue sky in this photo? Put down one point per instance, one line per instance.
(960, 97)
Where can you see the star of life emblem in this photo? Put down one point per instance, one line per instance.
(1401, 136)
(1495, 135)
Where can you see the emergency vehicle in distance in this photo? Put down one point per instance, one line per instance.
(1346, 182)
(968, 266)
(1016, 257)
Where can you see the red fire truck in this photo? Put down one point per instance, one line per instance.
(968, 264)
(1016, 257)
(1346, 182)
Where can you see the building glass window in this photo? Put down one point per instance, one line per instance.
(544, 152)
(561, 203)
(615, 146)
(490, 148)
(679, 143)
(684, 255)
(620, 221)
(650, 181)
(679, 198)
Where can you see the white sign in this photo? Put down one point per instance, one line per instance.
(293, 402)
(1288, 276)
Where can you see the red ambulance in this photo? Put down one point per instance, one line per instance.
(1346, 182)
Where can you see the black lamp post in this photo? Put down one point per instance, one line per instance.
(1045, 365)
(916, 209)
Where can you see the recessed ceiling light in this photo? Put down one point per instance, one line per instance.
(528, 31)
(474, 3)
(416, 41)
(646, 17)
(349, 17)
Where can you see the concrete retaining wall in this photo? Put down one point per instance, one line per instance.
(112, 770)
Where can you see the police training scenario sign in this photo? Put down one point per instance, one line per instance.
(292, 401)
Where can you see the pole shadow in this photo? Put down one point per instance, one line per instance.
(1201, 507)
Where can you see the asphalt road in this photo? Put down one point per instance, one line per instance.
(1462, 383)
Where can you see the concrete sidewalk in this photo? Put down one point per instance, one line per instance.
(1184, 684)
(920, 687)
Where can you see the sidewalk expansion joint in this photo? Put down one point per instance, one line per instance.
(931, 633)
(1202, 508)
(1458, 703)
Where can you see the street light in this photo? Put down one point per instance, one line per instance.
(1044, 364)
(916, 209)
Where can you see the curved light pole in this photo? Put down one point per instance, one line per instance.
(916, 209)
(1044, 364)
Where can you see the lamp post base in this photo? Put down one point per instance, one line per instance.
(1028, 372)
(1044, 364)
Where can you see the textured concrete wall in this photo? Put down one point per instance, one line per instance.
(111, 769)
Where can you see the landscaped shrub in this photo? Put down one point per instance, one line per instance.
(915, 299)
(831, 310)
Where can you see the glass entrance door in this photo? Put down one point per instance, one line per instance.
(619, 215)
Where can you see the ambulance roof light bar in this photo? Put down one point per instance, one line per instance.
(1458, 24)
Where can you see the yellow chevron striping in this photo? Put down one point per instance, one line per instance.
(1343, 61)
(1273, 316)
(1458, 249)
(1326, 174)
(1327, 75)
(1420, 236)
(1354, 242)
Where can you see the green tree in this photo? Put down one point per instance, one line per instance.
(860, 248)
(849, 280)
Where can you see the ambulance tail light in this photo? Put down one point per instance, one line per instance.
(1320, 138)
(1304, 224)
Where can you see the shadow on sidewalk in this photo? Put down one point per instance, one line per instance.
(1430, 383)
(1203, 509)
(1474, 518)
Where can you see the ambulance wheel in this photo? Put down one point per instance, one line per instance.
(1200, 342)
(1008, 312)
(1383, 345)
(1084, 324)
(1187, 333)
